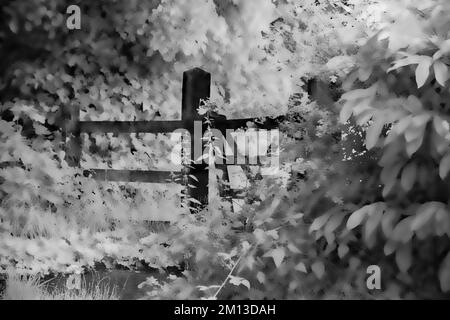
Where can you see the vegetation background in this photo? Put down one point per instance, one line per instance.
(365, 161)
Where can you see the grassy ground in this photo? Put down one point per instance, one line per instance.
(31, 287)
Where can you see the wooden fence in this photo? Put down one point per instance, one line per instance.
(196, 87)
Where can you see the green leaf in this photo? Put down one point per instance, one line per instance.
(389, 247)
(387, 222)
(193, 177)
(414, 145)
(357, 217)
(403, 257)
(334, 222)
(260, 235)
(442, 222)
(408, 176)
(277, 255)
(444, 274)
(342, 250)
(364, 73)
(39, 129)
(237, 281)
(421, 120)
(402, 231)
(301, 267)
(374, 131)
(440, 72)
(389, 177)
(360, 93)
(441, 126)
(373, 222)
(423, 71)
(415, 59)
(346, 112)
(293, 248)
(424, 213)
(193, 200)
(261, 277)
(319, 222)
(402, 124)
(273, 233)
(318, 268)
(413, 104)
(444, 166)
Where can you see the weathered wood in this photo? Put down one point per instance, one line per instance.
(71, 129)
(226, 191)
(172, 125)
(131, 126)
(196, 87)
(132, 176)
(264, 123)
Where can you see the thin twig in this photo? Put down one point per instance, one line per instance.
(228, 276)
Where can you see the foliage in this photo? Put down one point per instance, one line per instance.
(378, 196)
(365, 184)
(121, 66)
(53, 218)
(127, 60)
(399, 95)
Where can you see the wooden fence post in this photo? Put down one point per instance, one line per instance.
(196, 87)
(71, 127)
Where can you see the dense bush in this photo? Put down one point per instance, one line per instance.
(363, 181)
(126, 63)
(399, 94)
(378, 196)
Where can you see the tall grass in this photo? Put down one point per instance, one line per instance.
(30, 287)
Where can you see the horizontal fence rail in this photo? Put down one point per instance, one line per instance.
(168, 126)
(148, 176)
(131, 126)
